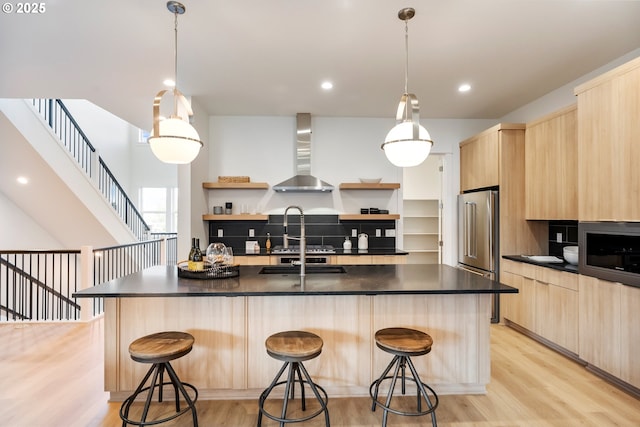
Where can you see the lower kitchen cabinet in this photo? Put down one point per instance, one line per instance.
(609, 327)
(630, 334)
(334, 259)
(547, 302)
(252, 260)
(557, 307)
(518, 308)
(368, 259)
(596, 320)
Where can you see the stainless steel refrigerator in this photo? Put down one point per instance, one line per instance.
(478, 238)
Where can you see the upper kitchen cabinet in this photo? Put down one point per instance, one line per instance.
(479, 161)
(495, 157)
(551, 166)
(608, 153)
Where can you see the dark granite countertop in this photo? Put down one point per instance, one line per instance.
(163, 281)
(338, 251)
(565, 266)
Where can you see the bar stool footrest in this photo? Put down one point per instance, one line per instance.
(376, 402)
(265, 394)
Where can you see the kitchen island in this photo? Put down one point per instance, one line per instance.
(231, 318)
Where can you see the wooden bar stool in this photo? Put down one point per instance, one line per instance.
(159, 349)
(403, 343)
(294, 347)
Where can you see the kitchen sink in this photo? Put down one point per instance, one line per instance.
(310, 269)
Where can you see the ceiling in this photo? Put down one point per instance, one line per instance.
(256, 57)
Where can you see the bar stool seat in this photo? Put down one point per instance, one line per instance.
(294, 347)
(159, 349)
(403, 343)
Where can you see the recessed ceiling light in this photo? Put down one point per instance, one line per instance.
(465, 87)
(22, 180)
(326, 85)
(169, 83)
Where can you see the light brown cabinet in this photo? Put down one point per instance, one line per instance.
(253, 259)
(609, 333)
(368, 259)
(547, 302)
(518, 308)
(551, 166)
(608, 135)
(630, 335)
(556, 304)
(496, 157)
(479, 157)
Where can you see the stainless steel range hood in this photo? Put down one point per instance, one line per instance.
(303, 181)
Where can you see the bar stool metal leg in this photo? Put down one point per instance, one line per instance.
(403, 343)
(158, 350)
(399, 363)
(293, 347)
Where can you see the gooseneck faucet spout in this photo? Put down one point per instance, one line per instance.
(302, 239)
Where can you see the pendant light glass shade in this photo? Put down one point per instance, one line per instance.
(178, 142)
(174, 140)
(403, 149)
(407, 144)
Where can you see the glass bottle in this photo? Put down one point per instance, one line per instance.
(198, 259)
(190, 265)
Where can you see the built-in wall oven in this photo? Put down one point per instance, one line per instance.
(610, 251)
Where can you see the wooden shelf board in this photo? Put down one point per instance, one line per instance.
(246, 217)
(365, 186)
(236, 185)
(370, 217)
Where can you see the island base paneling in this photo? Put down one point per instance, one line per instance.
(229, 360)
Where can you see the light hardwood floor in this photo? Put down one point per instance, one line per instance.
(52, 377)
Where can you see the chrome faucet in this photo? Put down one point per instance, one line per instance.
(302, 239)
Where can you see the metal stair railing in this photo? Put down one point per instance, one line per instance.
(78, 145)
(39, 285)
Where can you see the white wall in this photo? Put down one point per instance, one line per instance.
(19, 231)
(343, 150)
(132, 163)
(563, 96)
(109, 134)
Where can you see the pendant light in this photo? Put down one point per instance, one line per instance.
(174, 140)
(408, 143)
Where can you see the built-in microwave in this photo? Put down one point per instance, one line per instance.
(610, 251)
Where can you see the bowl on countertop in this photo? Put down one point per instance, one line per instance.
(370, 180)
(570, 254)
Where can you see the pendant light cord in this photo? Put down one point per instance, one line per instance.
(175, 63)
(406, 49)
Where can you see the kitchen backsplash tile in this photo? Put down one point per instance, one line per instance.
(561, 234)
(320, 230)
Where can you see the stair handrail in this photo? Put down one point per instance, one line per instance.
(82, 153)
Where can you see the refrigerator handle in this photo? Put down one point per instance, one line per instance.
(470, 237)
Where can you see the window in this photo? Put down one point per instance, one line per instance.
(159, 208)
(143, 136)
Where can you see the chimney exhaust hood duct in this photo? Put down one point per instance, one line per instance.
(303, 181)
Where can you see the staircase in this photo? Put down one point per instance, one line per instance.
(75, 197)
